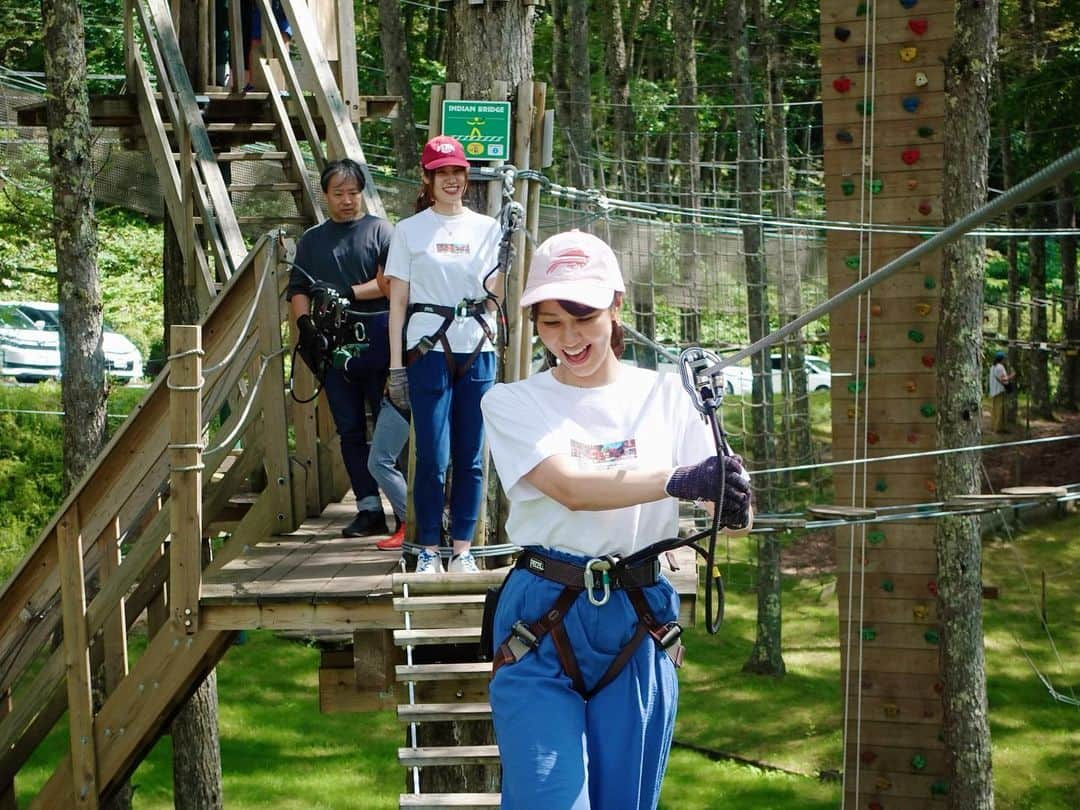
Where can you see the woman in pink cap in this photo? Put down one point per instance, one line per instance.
(442, 347)
(592, 455)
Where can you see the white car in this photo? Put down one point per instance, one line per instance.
(28, 352)
(739, 379)
(122, 359)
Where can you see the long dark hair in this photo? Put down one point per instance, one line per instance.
(618, 336)
(426, 198)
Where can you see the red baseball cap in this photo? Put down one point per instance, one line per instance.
(573, 266)
(442, 150)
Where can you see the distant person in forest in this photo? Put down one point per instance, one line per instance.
(251, 21)
(1001, 383)
(342, 257)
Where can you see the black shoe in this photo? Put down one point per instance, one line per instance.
(366, 523)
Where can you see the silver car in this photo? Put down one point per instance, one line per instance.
(28, 352)
(122, 359)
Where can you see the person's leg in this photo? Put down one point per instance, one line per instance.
(539, 719)
(429, 395)
(388, 440)
(997, 413)
(467, 447)
(346, 405)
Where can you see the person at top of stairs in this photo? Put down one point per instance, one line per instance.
(251, 21)
(592, 455)
(342, 257)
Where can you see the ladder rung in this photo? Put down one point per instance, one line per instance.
(270, 219)
(442, 672)
(249, 187)
(435, 712)
(403, 603)
(449, 755)
(241, 156)
(447, 635)
(461, 801)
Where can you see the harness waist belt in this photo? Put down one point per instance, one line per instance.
(468, 309)
(573, 575)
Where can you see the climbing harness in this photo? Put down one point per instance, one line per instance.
(511, 219)
(605, 574)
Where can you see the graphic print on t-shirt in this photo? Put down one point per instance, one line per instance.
(453, 248)
(604, 456)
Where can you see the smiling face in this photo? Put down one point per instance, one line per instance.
(448, 184)
(343, 198)
(581, 344)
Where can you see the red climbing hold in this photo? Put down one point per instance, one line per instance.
(925, 208)
(928, 360)
(842, 85)
(910, 156)
(918, 27)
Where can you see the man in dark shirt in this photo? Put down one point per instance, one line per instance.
(345, 254)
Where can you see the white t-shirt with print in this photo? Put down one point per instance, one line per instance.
(445, 259)
(641, 421)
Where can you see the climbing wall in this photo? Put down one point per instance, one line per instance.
(883, 102)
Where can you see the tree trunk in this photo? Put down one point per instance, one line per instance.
(969, 66)
(766, 658)
(617, 68)
(398, 67)
(1069, 389)
(1008, 176)
(82, 362)
(488, 43)
(572, 79)
(1038, 371)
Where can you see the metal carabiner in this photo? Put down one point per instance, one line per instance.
(603, 566)
(462, 310)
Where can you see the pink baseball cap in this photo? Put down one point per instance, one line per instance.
(442, 150)
(573, 266)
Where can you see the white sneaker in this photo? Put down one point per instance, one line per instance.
(464, 563)
(429, 562)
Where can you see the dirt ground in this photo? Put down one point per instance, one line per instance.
(1049, 464)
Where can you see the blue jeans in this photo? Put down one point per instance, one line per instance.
(350, 400)
(558, 750)
(449, 429)
(389, 439)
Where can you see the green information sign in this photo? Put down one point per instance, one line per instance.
(483, 127)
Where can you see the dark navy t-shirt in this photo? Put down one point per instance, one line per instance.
(342, 254)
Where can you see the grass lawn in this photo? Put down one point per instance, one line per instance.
(279, 752)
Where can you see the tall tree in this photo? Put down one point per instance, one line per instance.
(75, 236)
(486, 43)
(766, 658)
(684, 16)
(398, 66)
(1069, 388)
(969, 72)
(619, 38)
(572, 79)
(196, 746)
(1038, 359)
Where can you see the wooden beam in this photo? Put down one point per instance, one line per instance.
(514, 275)
(185, 501)
(346, 48)
(114, 637)
(7, 786)
(84, 786)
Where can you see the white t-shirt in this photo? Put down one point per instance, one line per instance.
(445, 259)
(641, 421)
(997, 378)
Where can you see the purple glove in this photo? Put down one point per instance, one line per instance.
(702, 481)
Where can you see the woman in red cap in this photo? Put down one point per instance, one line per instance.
(442, 347)
(592, 455)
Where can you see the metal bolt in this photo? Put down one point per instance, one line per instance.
(83, 740)
(187, 611)
(281, 517)
(187, 622)
(108, 732)
(281, 480)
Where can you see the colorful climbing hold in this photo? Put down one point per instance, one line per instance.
(868, 757)
(918, 762)
(887, 585)
(939, 789)
(844, 136)
(881, 485)
(862, 58)
(925, 132)
(875, 309)
(869, 634)
(925, 208)
(861, 9)
(875, 806)
(927, 410)
(913, 438)
(931, 485)
(841, 85)
(851, 413)
(847, 185)
(908, 53)
(908, 4)
(928, 360)
(910, 103)
(883, 782)
(852, 261)
(918, 26)
(931, 637)
(931, 586)
(910, 156)
(855, 386)
(923, 309)
(915, 336)
(876, 186)
(842, 33)
(912, 184)
(911, 386)
(939, 687)
(876, 537)
(864, 107)
(929, 282)
(872, 438)
(921, 79)
(891, 710)
(920, 612)
(870, 361)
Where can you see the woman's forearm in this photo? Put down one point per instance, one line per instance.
(399, 304)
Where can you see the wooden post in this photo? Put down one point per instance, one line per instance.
(130, 72)
(236, 49)
(7, 791)
(77, 660)
(346, 48)
(532, 218)
(275, 419)
(185, 499)
(523, 125)
(114, 630)
(499, 91)
(438, 93)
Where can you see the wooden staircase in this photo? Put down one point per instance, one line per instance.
(436, 694)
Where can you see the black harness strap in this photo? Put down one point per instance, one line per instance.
(473, 309)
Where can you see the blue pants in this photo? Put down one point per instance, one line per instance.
(560, 751)
(389, 439)
(449, 429)
(351, 399)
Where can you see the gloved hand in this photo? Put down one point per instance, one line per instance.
(397, 388)
(311, 345)
(701, 481)
(323, 289)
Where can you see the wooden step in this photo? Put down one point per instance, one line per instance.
(461, 801)
(242, 156)
(448, 635)
(268, 219)
(251, 187)
(442, 672)
(230, 127)
(449, 755)
(417, 603)
(441, 712)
